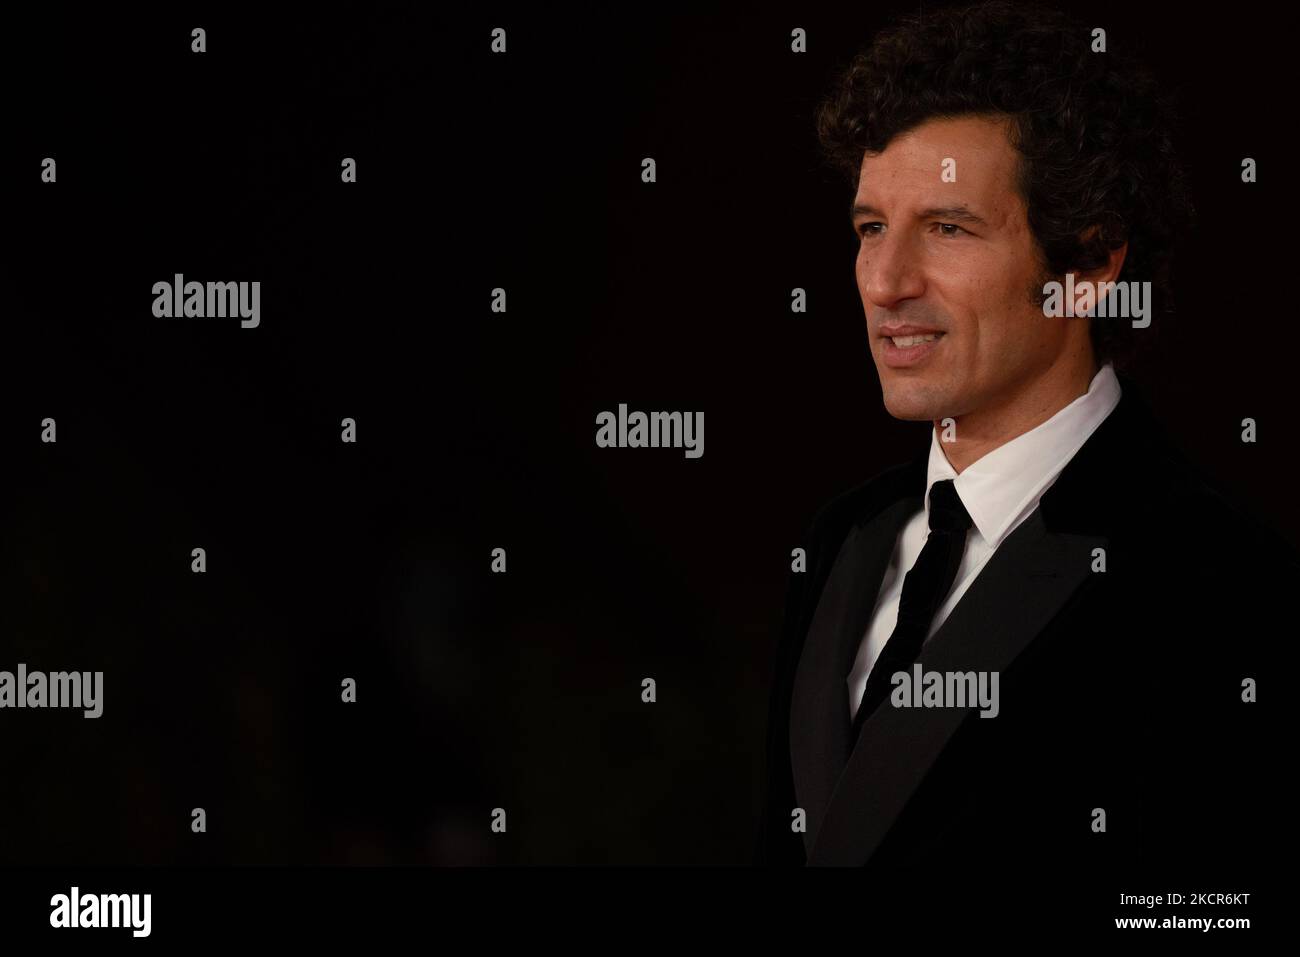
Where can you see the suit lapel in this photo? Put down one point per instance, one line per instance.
(819, 708)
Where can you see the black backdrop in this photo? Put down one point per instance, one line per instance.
(476, 429)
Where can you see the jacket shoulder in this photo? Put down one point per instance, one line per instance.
(833, 519)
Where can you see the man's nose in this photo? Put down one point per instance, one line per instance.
(889, 272)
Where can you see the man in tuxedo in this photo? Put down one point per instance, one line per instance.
(1049, 541)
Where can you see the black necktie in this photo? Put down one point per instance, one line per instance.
(924, 589)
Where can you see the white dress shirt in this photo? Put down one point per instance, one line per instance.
(1000, 490)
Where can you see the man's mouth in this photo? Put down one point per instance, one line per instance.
(904, 341)
(912, 349)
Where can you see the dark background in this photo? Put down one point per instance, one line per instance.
(476, 429)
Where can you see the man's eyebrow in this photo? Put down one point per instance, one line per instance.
(959, 214)
(954, 214)
(860, 209)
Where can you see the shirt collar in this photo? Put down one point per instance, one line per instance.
(1002, 485)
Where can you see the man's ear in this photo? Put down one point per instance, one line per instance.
(1106, 272)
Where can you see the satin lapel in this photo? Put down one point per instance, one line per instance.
(1016, 594)
(819, 708)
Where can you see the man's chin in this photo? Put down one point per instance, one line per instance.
(910, 414)
(913, 405)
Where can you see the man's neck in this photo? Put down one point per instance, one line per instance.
(978, 433)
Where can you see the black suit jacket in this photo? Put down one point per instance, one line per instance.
(1120, 690)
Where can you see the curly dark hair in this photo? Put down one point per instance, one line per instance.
(1094, 134)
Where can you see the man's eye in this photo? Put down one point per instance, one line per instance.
(950, 229)
(870, 229)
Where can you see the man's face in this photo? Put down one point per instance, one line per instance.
(955, 258)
